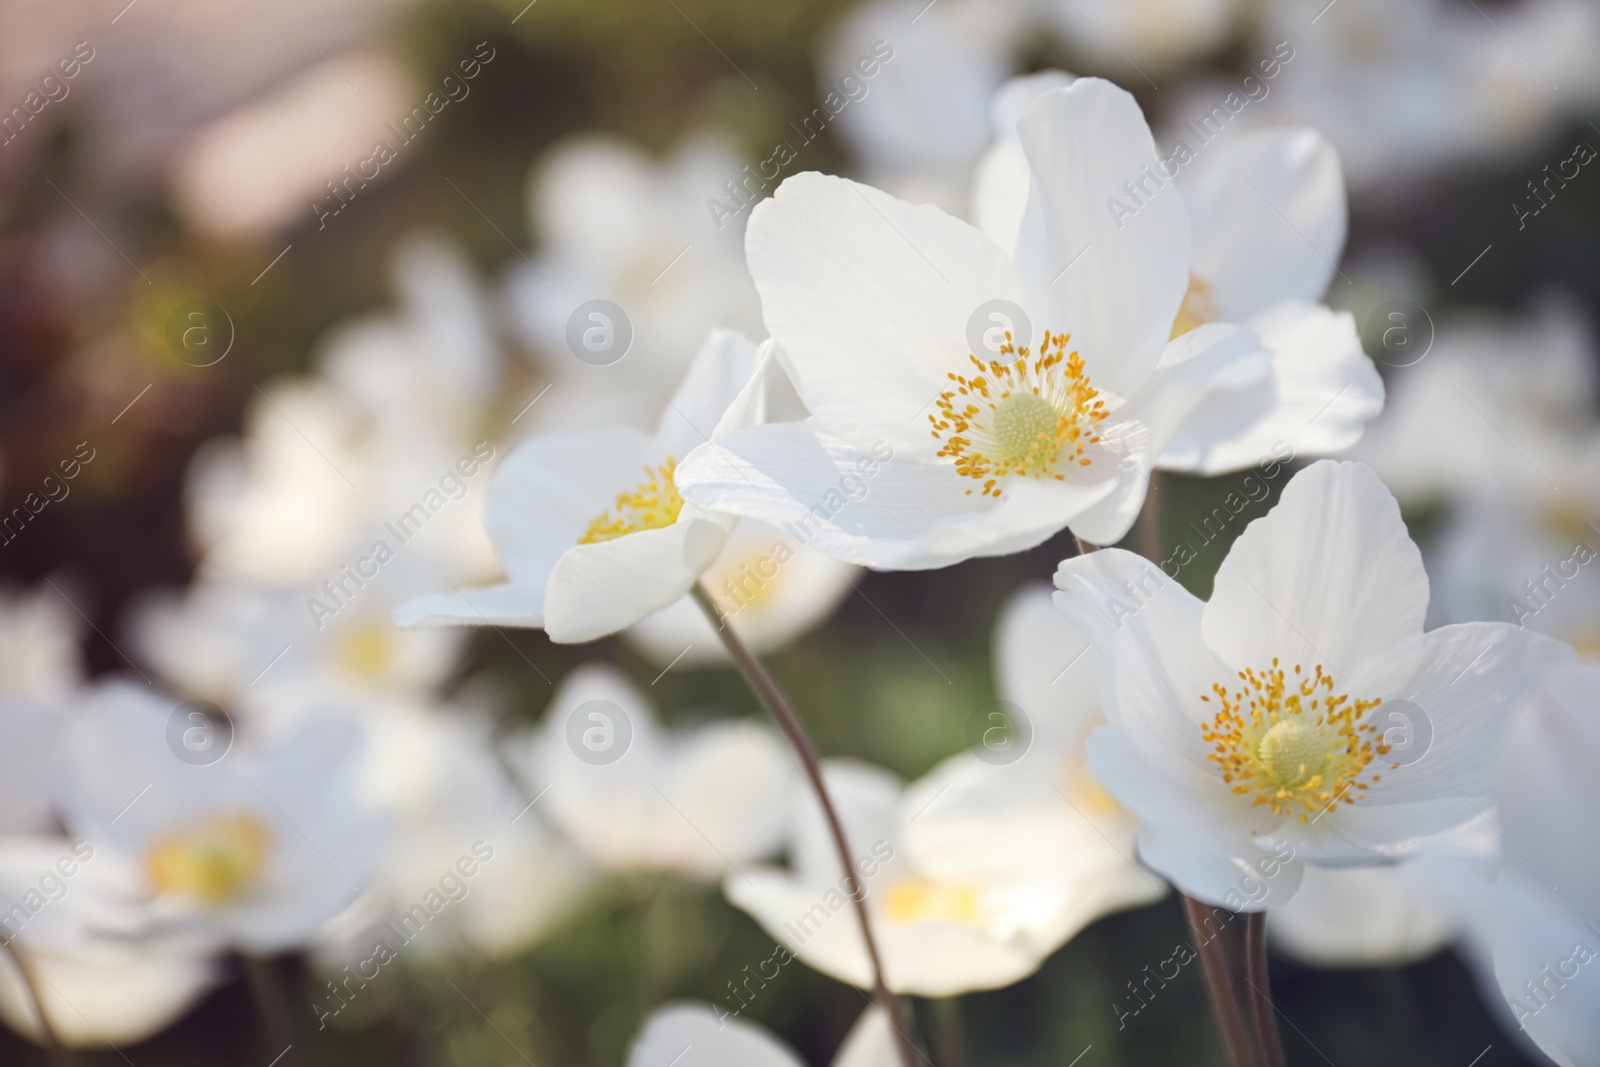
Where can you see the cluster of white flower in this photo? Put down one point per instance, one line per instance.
(1032, 310)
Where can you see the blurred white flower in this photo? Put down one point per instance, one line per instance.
(920, 121)
(695, 802)
(1268, 716)
(1127, 36)
(1534, 920)
(973, 876)
(877, 307)
(79, 919)
(39, 654)
(671, 1031)
(1359, 917)
(1268, 218)
(436, 774)
(256, 849)
(1496, 406)
(589, 524)
(615, 225)
(1408, 90)
(393, 423)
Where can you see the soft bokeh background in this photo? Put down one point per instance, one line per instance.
(186, 158)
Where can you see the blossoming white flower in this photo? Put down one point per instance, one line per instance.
(590, 526)
(1533, 920)
(972, 877)
(720, 1041)
(256, 850)
(1268, 715)
(634, 798)
(1268, 215)
(871, 302)
(80, 918)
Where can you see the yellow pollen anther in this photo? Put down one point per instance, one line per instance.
(922, 900)
(1292, 743)
(215, 860)
(653, 504)
(1035, 415)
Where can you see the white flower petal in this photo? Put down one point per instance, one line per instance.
(869, 299)
(498, 605)
(1229, 873)
(1321, 392)
(876, 509)
(1119, 301)
(1268, 208)
(719, 373)
(1359, 917)
(1044, 666)
(1329, 576)
(600, 588)
(1000, 187)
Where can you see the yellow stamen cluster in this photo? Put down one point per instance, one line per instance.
(918, 900)
(1197, 309)
(215, 860)
(1292, 741)
(653, 504)
(1029, 416)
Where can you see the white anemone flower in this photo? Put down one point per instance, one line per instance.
(634, 797)
(1303, 709)
(1360, 917)
(1268, 217)
(972, 878)
(877, 307)
(257, 849)
(79, 919)
(589, 524)
(1532, 921)
(695, 1035)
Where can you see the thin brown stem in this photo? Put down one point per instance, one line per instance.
(1266, 1019)
(1150, 541)
(1224, 1003)
(273, 1005)
(771, 697)
(58, 1053)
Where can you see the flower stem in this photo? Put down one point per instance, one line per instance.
(53, 1047)
(947, 1025)
(266, 988)
(1224, 998)
(1266, 1019)
(771, 697)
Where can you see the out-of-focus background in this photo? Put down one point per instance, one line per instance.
(270, 268)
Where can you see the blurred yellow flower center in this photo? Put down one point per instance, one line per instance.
(1197, 308)
(653, 504)
(1032, 416)
(1292, 742)
(921, 900)
(215, 860)
(367, 649)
